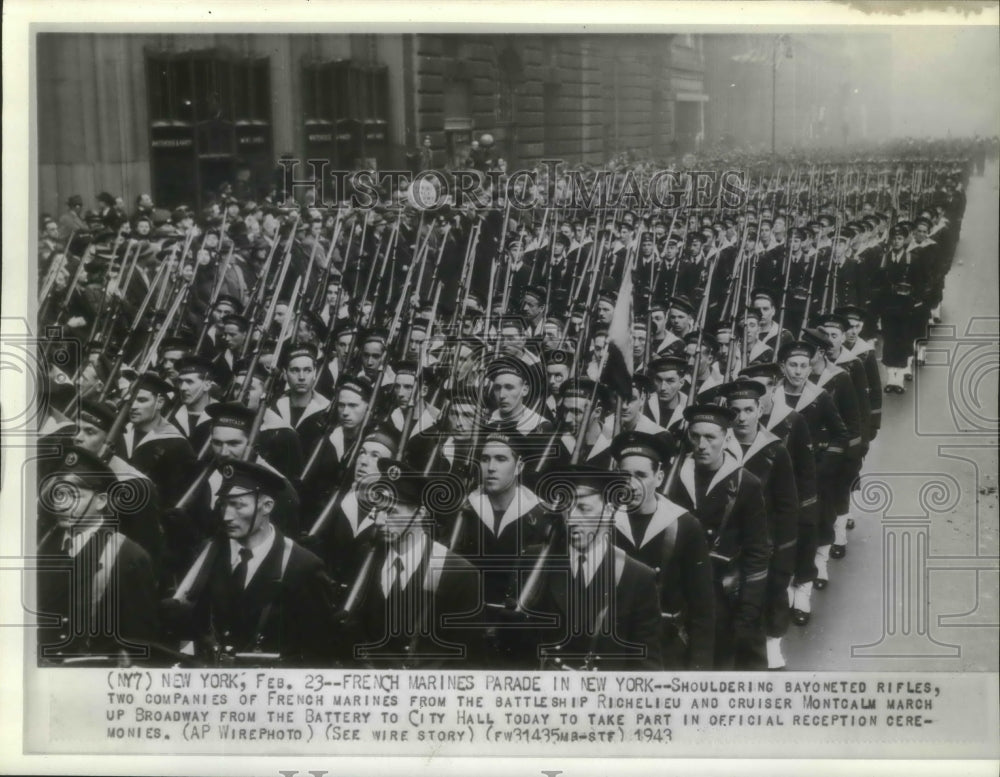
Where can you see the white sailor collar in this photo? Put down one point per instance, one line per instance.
(781, 409)
(926, 244)
(757, 349)
(272, 420)
(665, 515)
(349, 507)
(653, 403)
(182, 418)
(426, 420)
(761, 441)
(644, 424)
(861, 347)
(53, 425)
(829, 372)
(336, 438)
(668, 339)
(527, 421)
(714, 379)
(524, 501)
(166, 431)
(317, 404)
(845, 356)
(125, 471)
(729, 465)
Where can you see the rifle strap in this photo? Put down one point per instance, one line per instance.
(108, 560)
(669, 543)
(728, 511)
(265, 613)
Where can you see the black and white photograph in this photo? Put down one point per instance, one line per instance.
(554, 389)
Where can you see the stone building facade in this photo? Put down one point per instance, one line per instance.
(177, 115)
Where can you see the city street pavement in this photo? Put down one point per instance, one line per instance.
(928, 502)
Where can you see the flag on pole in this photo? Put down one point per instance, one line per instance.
(618, 367)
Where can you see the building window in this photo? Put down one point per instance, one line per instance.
(252, 90)
(346, 107)
(210, 113)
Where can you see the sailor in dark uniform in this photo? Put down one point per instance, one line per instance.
(417, 587)
(680, 323)
(231, 424)
(753, 350)
(702, 349)
(926, 257)
(806, 282)
(674, 271)
(502, 517)
(765, 455)
(277, 441)
(657, 325)
(514, 384)
(235, 330)
(832, 537)
(901, 284)
(864, 351)
(595, 607)
(96, 588)
(254, 596)
(195, 381)
(343, 337)
(767, 302)
(344, 531)
(666, 405)
(830, 438)
(518, 271)
(172, 351)
(575, 398)
(533, 309)
(558, 364)
(836, 326)
(499, 522)
(670, 541)
(729, 502)
(633, 419)
(848, 283)
(141, 521)
(771, 261)
(351, 403)
(792, 429)
(302, 407)
(152, 444)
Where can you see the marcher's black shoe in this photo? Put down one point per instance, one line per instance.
(820, 583)
(908, 376)
(850, 524)
(838, 551)
(800, 617)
